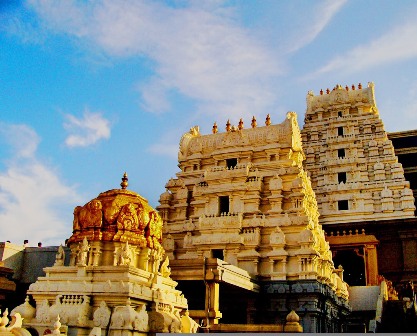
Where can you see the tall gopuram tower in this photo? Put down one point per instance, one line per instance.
(242, 231)
(366, 206)
(118, 279)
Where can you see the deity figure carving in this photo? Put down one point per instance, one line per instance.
(101, 316)
(188, 240)
(127, 219)
(82, 252)
(277, 237)
(153, 231)
(90, 215)
(141, 320)
(60, 256)
(169, 243)
(42, 312)
(165, 270)
(123, 255)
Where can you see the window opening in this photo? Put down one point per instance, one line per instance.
(341, 177)
(341, 153)
(340, 131)
(223, 204)
(231, 163)
(343, 205)
(217, 253)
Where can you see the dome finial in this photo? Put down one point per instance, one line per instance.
(124, 183)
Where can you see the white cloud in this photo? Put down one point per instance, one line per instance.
(314, 23)
(398, 44)
(86, 131)
(22, 138)
(32, 197)
(198, 51)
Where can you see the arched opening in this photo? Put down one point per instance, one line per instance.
(353, 265)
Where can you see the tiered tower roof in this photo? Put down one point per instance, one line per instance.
(353, 167)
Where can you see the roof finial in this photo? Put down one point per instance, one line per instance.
(228, 128)
(214, 128)
(253, 123)
(268, 120)
(240, 125)
(124, 183)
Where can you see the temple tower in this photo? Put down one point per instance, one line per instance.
(353, 169)
(243, 199)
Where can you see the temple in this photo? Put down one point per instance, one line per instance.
(118, 278)
(243, 206)
(265, 228)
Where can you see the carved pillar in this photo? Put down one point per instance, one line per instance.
(73, 257)
(212, 302)
(371, 265)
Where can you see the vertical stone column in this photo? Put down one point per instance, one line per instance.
(212, 302)
(371, 265)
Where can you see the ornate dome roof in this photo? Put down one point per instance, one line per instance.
(118, 215)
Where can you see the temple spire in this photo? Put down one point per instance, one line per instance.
(124, 183)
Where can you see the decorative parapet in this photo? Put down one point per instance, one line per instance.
(219, 172)
(224, 221)
(193, 144)
(218, 238)
(340, 96)
(251, 236)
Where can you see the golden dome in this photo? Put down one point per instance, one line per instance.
(118, 215)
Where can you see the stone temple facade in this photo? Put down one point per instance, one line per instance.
(243, 198)
(352, 164)
(366, 205)
(118, 279)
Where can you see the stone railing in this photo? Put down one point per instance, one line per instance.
(251, 236)
(225, 220)
(219, 172)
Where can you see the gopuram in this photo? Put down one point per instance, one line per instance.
(118, 281)
(366, 206)
(242, 230)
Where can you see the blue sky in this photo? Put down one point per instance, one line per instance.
(91, 89)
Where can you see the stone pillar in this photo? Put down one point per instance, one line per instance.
(212, 302)
(371, 265)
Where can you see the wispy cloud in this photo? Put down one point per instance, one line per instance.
(313, 23)
(398, 44)
(21, 138)
(199, 51)
(32, 196)
(86, 131)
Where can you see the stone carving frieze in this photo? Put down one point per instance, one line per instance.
(101, 316)
(218, 238)
(340, 96)
(126, 317)
(225, 221)
(206, 144)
